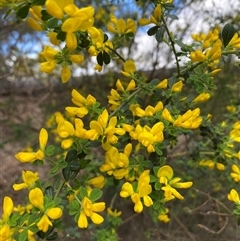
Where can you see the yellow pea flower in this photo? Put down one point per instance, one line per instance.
(39, 155)
(36, 198)
(90, 210)
(53, 38)
(234, 196)
(65, 74)
(7, 208)
(163, 84)
(141, 196)
(114, 213)
(165, 175)
(167, 115)
(235, 174)
(202, 97)
(129, 68)
(97, 181)
(29, 179)
(177, 87)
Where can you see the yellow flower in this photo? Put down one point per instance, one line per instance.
(167, 115)
(202, 97)
(82, 103)
(141, 194)
(165, 175)
(39, 155)
(90, 210)
(65, 74)
(177, 87)
(163, 84)
(120, 26)
(105, 127)
(234, 197)
(29, 179)
(235, 174)
(149, 136)
(36, 198)
(163, 217)
(211, 164)
(116, 163)
(7, 208)
(114, 213)
(98, 181)
(189, 120)
(235, 41)
(35, 22)
(129, 68)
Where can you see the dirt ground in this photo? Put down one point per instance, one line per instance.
(22, 118)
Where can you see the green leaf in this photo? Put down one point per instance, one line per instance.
(100, 59)
(168, 6)
(71, 155)
(154, 82)
(106, 58)
(95, 194)
(61, 36)
(45, 15)
(50, 191)
(23, 11)
(23, 235)
(152, 30)
(53, 236)
(227, 33)
(66, 173)
(172, 16)
(9, 11)
(84, 163)
(157, 185)
(52, 23)
(105, 38)
(82, 193)
(38, 2)
(50, 150)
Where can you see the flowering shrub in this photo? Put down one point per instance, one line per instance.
(134, 136)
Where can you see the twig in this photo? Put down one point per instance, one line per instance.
(212, 231)
(180, 223)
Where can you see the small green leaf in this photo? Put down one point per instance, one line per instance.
(45, 15)
(50, 191)
(23, 11)
(105, 38)
(95, 194)
(227, 33)
(52, 23)
(71, 155)
(53, 236)
(172, 16)
(100, 59)
(9, 11)
(152, 31)
(23, 235)
(106, 58)
(82, 192)
(38, 2)
(84, 163)
(61, 36)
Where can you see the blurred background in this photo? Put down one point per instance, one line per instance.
(29, 97)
